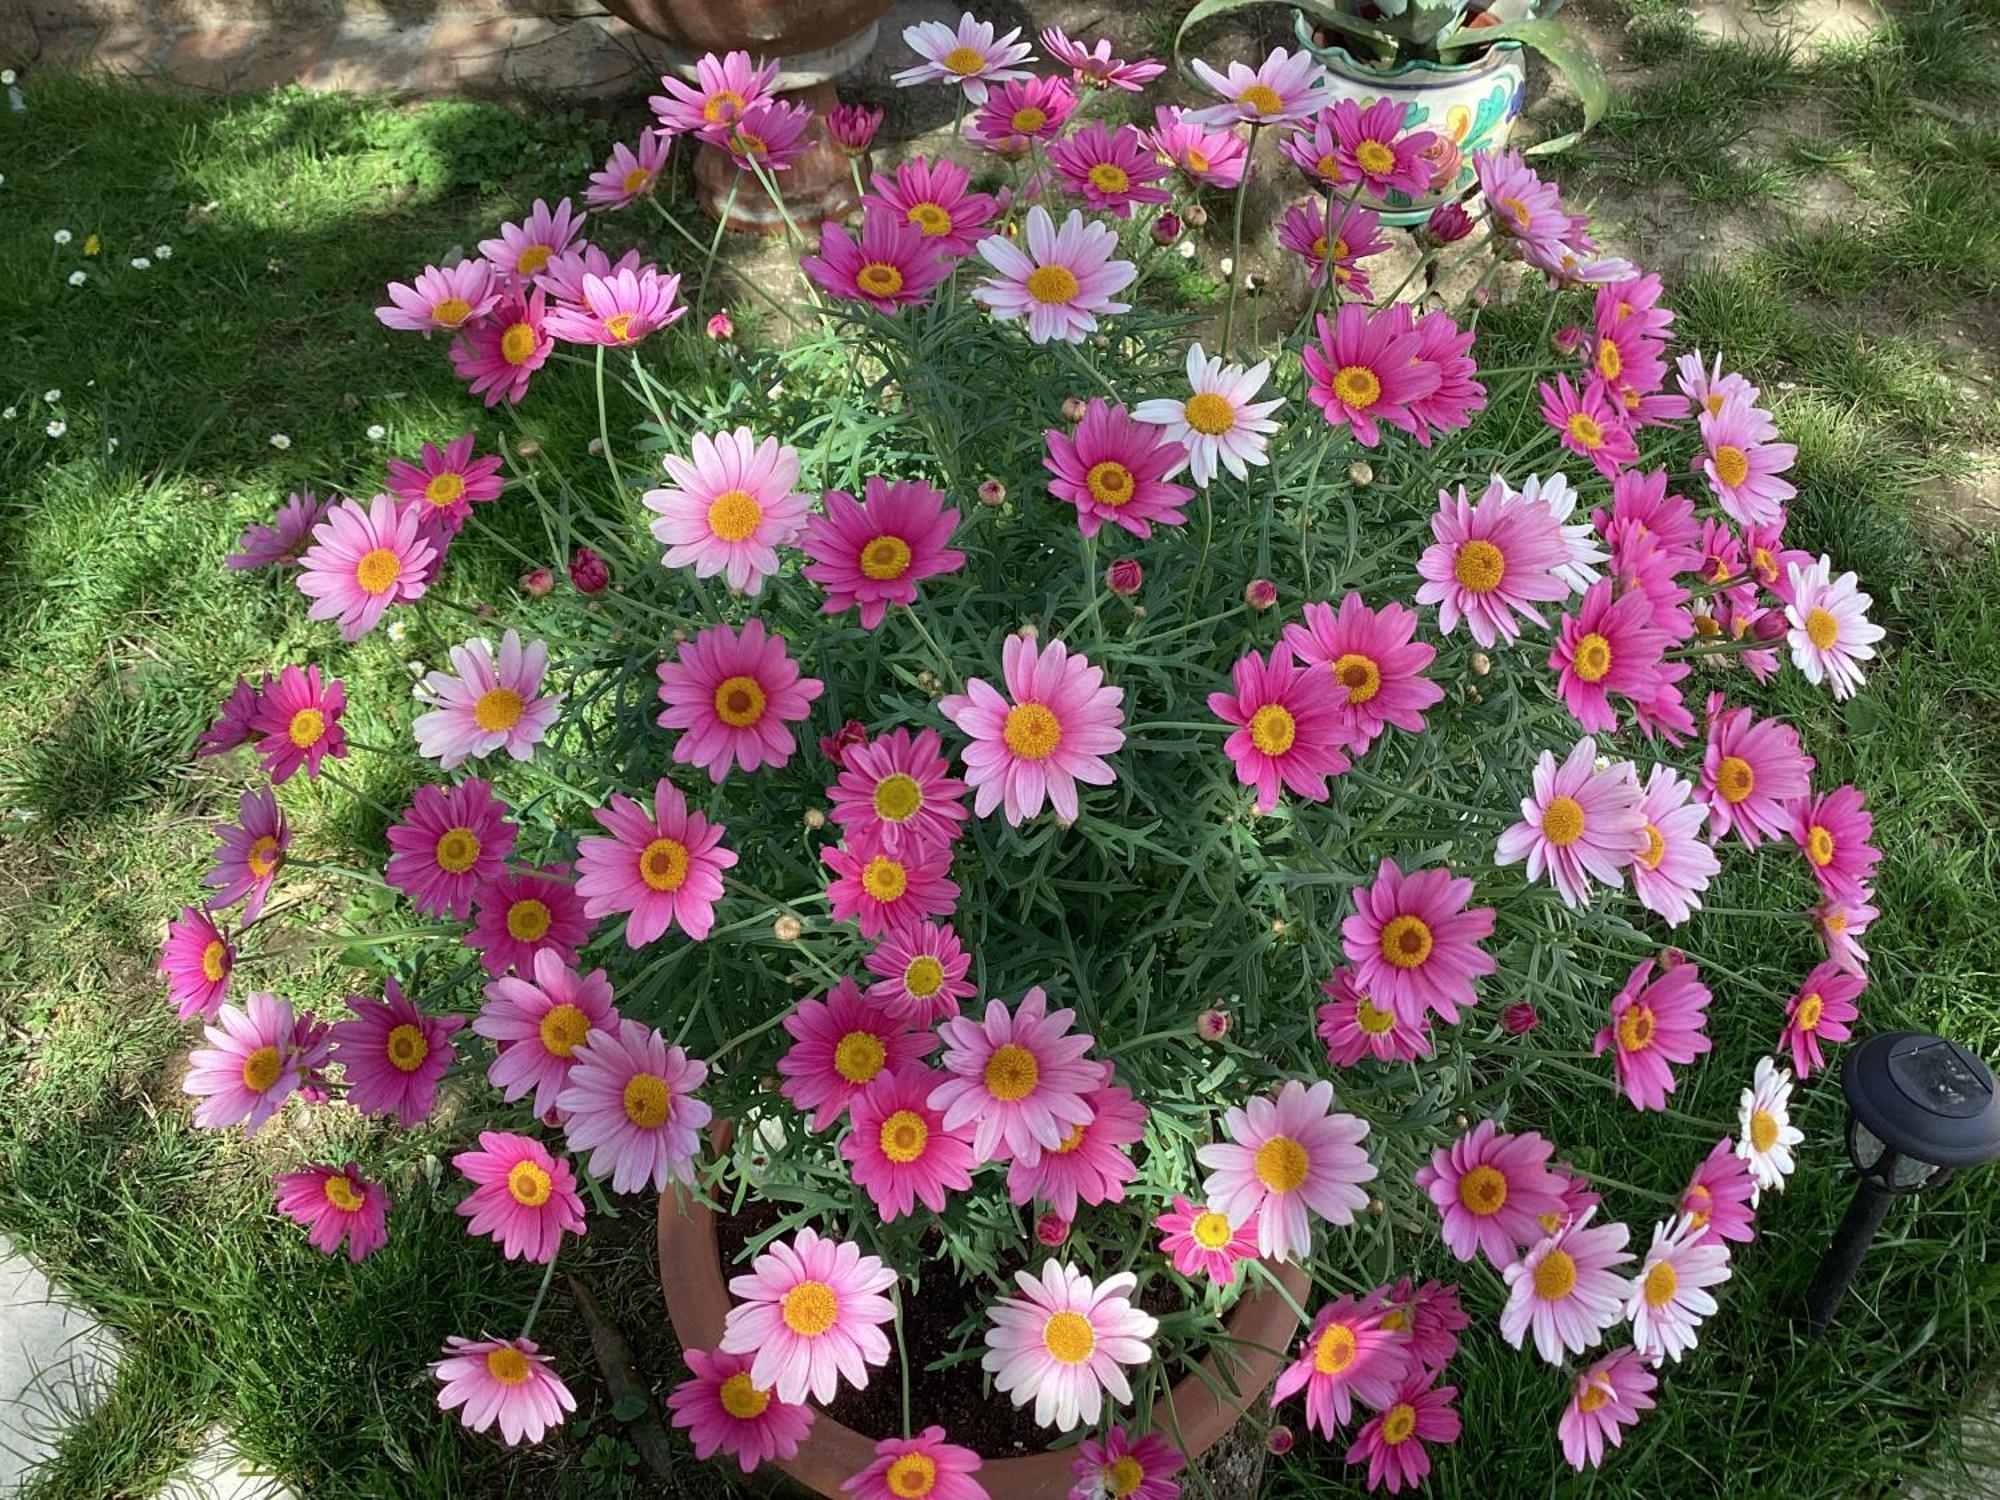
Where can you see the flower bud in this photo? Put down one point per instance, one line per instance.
(1566, 341)
(1124, 577)
(992, 492)
(719, 326)
(813, 818)
(1029, 631)
(1138, 611)
(1166, 228)
(1073, 409)
(1769, 625)
(1260, 594)
(1278, 1441)
(1278, 926)
(1480, 663)
(1361, 472)
(1449, 222)
(1195, 215)
(1672, 958)
(1519, 1019)
(1212, 1025)
(587, 572)
(1052, 1229)
(836, 745)
(527, 448)
(787, 928)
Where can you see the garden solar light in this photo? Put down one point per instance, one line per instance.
(1920, 1107)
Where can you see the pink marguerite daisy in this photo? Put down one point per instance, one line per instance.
(1565, 1289)
(1452, 396)
(967, 55)
(1392, 1442)
(1284, 87)
(663, 867)
(1364, 371)
(1024, 109)
(450, 841)
(841, 1045)
(539, 1027)
(233, 720)
(1376, 664)
(1720, 1200)
(1110, 170)
(1832, 831)
(506, 1381)
(1061, 282)
(898, 1149)
(1091, 1163)
(442, 299)
(923, 1465)
(256, 1058)
(873, 553)
(1206, 158)
(893, 264)
(1317, 234)
(1432, 1315)
(523, 1197)
(1654, 1023)
(1674, 868)
(197, 960)
(563, 277)
(1201, 1240)
(1117, 468)
(1123, 1466)
(285, 540)
(1742, 462)
(1523, 208)
(1610, 645)
(629, 1101)
(723, 88)
(879, 891)
(1492, 1190)
(1607, 1399)
(922, 967)
(249, 853)
(447, 481)
(898, 789)
(523, 249)
(810, 1314)
(1414, 944)
(1579, 824)
(1589, 425)
(299, 719)
(395, 1055)
(1670, 1296)
(730, 508)
(1840, 925)
(724, 1412)
(1370, 146)
(1019, 1078)
(1349, 1354)
(336, 1204)
(364, 559)
(1094, 65)
(1065, 1341)
(1751, 773)
(618, 308)
(1062, 722)
(732, 693)
(1219, 422)
(769, 136)
(935, 195)
(1830, 630)
(1492, 562)
(486, 703)
(1284, 1157)
(1820, 1012)
(498, 356)
(627, 174)
(852, 128)
(518, 916)
(1354, 1027)
(1288, 722)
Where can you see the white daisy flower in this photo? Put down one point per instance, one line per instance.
(57, 428)
(52, 395)
(1218, 422)
(1764, 1118)
(7, 415)
(141, 263)
(376, 432)
(280, 441)
(1830, 630)
(78, 278)
(63, 236)
(163, 252)
(1581, 571)
(397, 629)
(1669, 1296)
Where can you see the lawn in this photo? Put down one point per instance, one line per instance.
(1873, 329)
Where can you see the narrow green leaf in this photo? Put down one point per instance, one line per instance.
(1565, 52)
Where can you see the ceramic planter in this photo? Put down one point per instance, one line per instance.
(1261, 1329)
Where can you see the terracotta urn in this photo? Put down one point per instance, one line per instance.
(813, 41)
(1198, 1412)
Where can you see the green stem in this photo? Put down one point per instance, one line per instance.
(604, 427)
(541, 1294)
(1236, 241)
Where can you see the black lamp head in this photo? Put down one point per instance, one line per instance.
(1921, 1107)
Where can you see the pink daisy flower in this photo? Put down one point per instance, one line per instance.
(841, 1045)
(1840, 925)
(1392, 1442)
(448, 482)
(663, 868)
(619, 308)
(1832, 831)
(967, 55)
(336, 1204)
(442, 298)
(1285, 86)
(518, 916)
(1413, 943)
(1110, 171)
(1610, 645)
(1820, 1011)
(255, 1059)
(1123, 1466)
(898, 1148)
(935, 195)
(894, 263)
(1115, 468)
(1674, 868)
(1371, 147)
(1565, 1289)
(507, 1381)
(563, 277)
(1742, 462)
(731, 507)
(1492, 1190)
(1285, 1156)
(1091, 1163)
(1025, 109)
(197, 960)
(1064, 1343)
(524, 1198)
(1655, 1022)
(1721, 1198)
(523, 249)
(1364, 371)
(394, 1054)
(897, 788)
(1348, 1355)
(1433, 1318)
(1523, 208)
(1751, 772)
(1708, 388)
(1220, 422)
(364, 559)
(1589, 425)
(770, 134)
(1356, 234)
(1095, 65)
(629, 1101)
(852, 127)
(249, 854)
(1061, 283)
(1202, 1241)
(628, 175)
(285, 539)
(1830, 630)
(1608, 1398)
(1061, 723)
(873, 553)
(1579, 824)
(1453, 395)
(1353, 1027)
(1376, 666)
(1018, 1078)
(923, 1465)
(723, 88)
(486, 704)
(1669, 1296)
(232, 726)
(810, 1315)
(1206, 158)
(733, 693)
(451, 840)
(922, 967)
(539, 1027)
(499, 355)
(879, 891)
(724, 1412)
(1289, 728)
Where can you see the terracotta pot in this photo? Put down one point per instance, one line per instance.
(1197, 1410)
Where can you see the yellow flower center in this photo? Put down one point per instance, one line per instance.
(1032, 731)
(508, 1365)
(1807, 1016)
(1072, 1142)
(930, 218)
(1661, 1284)
(1109, 179)
(1398, 1423)
(1027, 120)
(1592, 658)
(734, 514)
(859, 1056)
(1822, 629)
(924, 977)
(1699, 1206)
(904, 1136)
(1069, 1338)
(1328, 166)
(1209, 414)
(1110, 483)
(1610, 363)
(810, 1308)
(1359, 675)
(1012, 1073)
(563, 1029)
(722, 106)
(407, 1048)
(1262, 98)
(340, 1193)
(1763, 1130)
(261, 1069)
(378, 570)
(527, 921)
(1282, 1164)
(1585, 429)
(1052, 285)
(964, 61)
(1819, 845)
(1518, 212)
(1406, 941)
(1375, 158)
(663, 864)
(1656, 848)
(884, 878)
(215, 961)
(1594, 1395)
(451, 312)
(898, 797)
(1211, 1230)
(517, 344)
(532, 259)
(457, 851)
(1335, 1350)
(1273, 729)
(1836, 922)
(1479, 567)
(529, 1185)
(445, 488)
(636, 181)
(1562, 821)
(885, 558)
(879, 279)
(1123, 1476)
(1197, 161)
(750, 145)
(1357, 386)
(911, 1476)
(1732, 466)
(1371, 1020)
(647, 1100)
(1734, 778)
(619, 326)
(739, 701)
(262, 857)
(1483, 1191)
(307, 725)
(1635, 1029)
(741, 1399)
(498, 710)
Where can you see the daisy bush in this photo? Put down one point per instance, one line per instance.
(1101, 814)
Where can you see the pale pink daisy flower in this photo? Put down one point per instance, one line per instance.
(629, 1101)
(893, 264)
(1414, 944)
(898, 1150)
(1743, 462)
(879, 891)
(898, 788)
(1392, 1442)
(628, 175)
(1820, 1012)
(1091, 1163)
(619, 308)
(730, 508)
(1565, 1289)
(1284, 1157)
(519, 915)
(255, 1059)
(486, 703)
(336, 1204)
(923, 1465)
(1354, 1027)
(922, 967)
(508, 1381)
(840, 1045)
(449, 841)
(1376, 664)
(1095, 65)
(249, 853)
(1348, 1354)
(1654, 1023)
(1201, 1240)
(394, 1054)
(967, 55)
(935, 195)
(1220, 422)
(732, 694)
(1063, 280)
(1492, 1190)
(442, 299)
(523, 249)
(364, 559)
(1019, 1078)
(1670, 1297)
(1492, 562)
(539, 1025)
(1840, 925)
(1124, 1466)
(563, 277)
(1674, 868)
(1720, 1200)
(1830, 630)
(285, 539)
(1288, 726)
(1608, 1398)
(197, 960)
(1285, 86)
(523, 1197)
(723, 88)
(1061, 723)
(1207, 158)
(1578, 824)
(810, 1314)
(874, 554)
(1065, 1341)
(724, 1412)
(1708, 388)
(1751, 773)
(664, 867)
(770, 135)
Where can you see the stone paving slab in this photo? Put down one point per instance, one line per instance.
(219, 1472)
(56, 1363)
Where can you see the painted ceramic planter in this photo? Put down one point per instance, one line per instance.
(1470, 106)
(1200, 1408)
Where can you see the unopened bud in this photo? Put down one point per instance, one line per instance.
(1124, 577)
(1212, 1025)
(1073, 409)
(719, 326)
(1260, 594)
(1278, 1441)
(787, 928)
(813, 818)
(537, 582)
(1166, 229)
(1480, 663)
(1519, 1019)
(992, 492)
(1052, 1229)
(1361, 472)
(1195, 215)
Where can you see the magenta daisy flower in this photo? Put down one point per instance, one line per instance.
(1348, 1354)
(486, 703)
(364, 559)
(898, 1150)
(873, 553)
(1392, 1442)
(1721, 1198)
(1206, 158)
(879, 891)
(518, 916)
(1063, 280)
(1742, 462)
(232, 726)
(1523, 208)
(1285, 86)
(1219, 422)
(1669, 1296)
(810, 1315)
(1364, 371)
(498, 356)
(936, 196)
(395, 1055)
(628, 175)
(1565, 1289)
(1610, 645)
(336, 1205)
(1095, 65)
(255, 1059)
(1608, 1398)
(724, 1412)
(522, 1197)
(1125, 1466)
(664, 868)
(1671, 872)
(285, 540)
(197, 960)
(1372, 148)
(1284, 1157)
(922, 967)
(967, 55)
(732, 505)
(1578, 824)
(1019, 1078)
(1589, 425)
(841, 1045)
(922, 1465)
(852, 127)
(523, 249)
(723, 88)
(1289, 728)
(447, 481)
(1655, 1022)
(1061, 723)
(1353, 1027)
(897, 789)
(506, 1381)
(1109, 171)
(1344, 238)
(1820, 1012)
(629, 1101)
(1832, 831)
(1065, 1342)
(1115, 468)
(1433, 1317)
(1840, 925)
(618, 309)
(894, 264)
(1830, 630)
(1492, 1190)
(1453, 395)
(1202, 1241)
(1024, 109)
(1376, 665)
(1751, 772)
(249, 854)
(1492, 562)
(539, 1027)
(444, 299)
(733, 693)
(1091, 1163)
(1413, 943)
(770, 134)
(451, 840)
